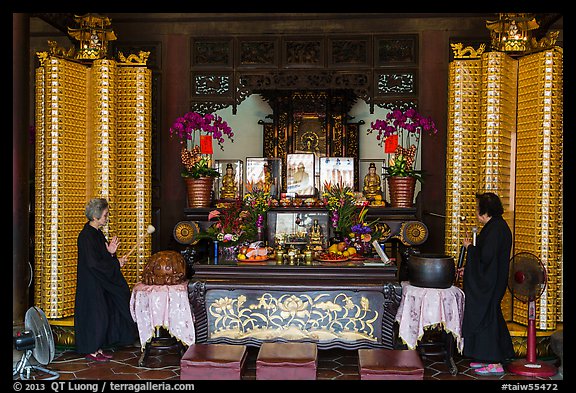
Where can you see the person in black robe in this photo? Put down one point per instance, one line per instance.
(102, 316)
(486, 337)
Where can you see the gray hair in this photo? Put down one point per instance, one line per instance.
(95, 208)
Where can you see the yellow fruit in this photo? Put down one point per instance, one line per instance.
(241, 256)
(351, 251)
(346, 253)
(339, 253)
(333, 248)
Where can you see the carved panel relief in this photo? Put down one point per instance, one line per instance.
(257, 53)
(350, 52)
(394, 50)
(304, 53)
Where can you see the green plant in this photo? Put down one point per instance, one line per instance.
(196, 165)
(400, 166)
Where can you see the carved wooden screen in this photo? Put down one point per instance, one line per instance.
(311, 121)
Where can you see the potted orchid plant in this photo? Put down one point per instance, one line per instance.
(400, 132)
(197, 133)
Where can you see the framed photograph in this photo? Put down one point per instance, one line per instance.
(265, 171)
(300, 174)
(228, 185)
(337, 170)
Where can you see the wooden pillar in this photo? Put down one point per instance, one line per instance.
(20, 166)
(172, 190)
(434, 53)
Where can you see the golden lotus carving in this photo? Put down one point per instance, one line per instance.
(322, 316)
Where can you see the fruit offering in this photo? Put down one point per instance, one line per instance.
(330, 257)
(255, 251)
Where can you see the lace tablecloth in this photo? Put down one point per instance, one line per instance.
(165, 306)
(422, 308)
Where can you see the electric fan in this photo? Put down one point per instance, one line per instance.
(37, 340)
(527, 281)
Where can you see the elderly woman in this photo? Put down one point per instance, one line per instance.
(102, 310)
(486, 337)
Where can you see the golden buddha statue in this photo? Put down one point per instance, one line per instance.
(315, 234)
(372, 184)
(229, 187)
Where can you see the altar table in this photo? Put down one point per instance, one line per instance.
(427, 308)
(162, 306)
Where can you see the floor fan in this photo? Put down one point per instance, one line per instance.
(527, 281)
(36, 340)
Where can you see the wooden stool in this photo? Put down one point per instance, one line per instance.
(390, 364)
(284, 361)
(213, 361)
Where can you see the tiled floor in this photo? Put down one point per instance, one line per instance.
(333, 364)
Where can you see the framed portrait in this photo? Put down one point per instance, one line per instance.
(300, 174)
(261, 170)
(337, 170)
(229, 184)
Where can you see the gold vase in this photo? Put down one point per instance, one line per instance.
(199, 191)
(401, 189)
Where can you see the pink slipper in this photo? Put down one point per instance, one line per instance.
(98, 358)
(106, 355)
(490, 369)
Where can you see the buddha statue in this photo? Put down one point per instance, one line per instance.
(372, 184)
(315, 234)
(229, 187)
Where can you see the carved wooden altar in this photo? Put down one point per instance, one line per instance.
(346, 307)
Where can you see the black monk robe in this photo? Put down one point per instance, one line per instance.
(102, 316)
(486, 336)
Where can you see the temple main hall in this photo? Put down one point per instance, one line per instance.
(290, 191)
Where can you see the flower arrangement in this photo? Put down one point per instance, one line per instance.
(341, 203)
(229, 227)
(360, 228)
(401, 131)
(257, 202)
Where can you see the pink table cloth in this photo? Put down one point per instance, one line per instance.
(422, 308)
(154, 306)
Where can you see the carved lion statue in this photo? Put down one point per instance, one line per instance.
(164, 268)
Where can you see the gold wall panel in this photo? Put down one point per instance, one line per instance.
(81, 117)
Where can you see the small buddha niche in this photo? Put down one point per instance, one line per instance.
(229, 188)
(372, 183)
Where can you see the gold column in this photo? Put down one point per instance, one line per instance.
(462, 151)
(61, 170)
(539, 216)
(101, 141)
(498, 125)
(134, 166)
